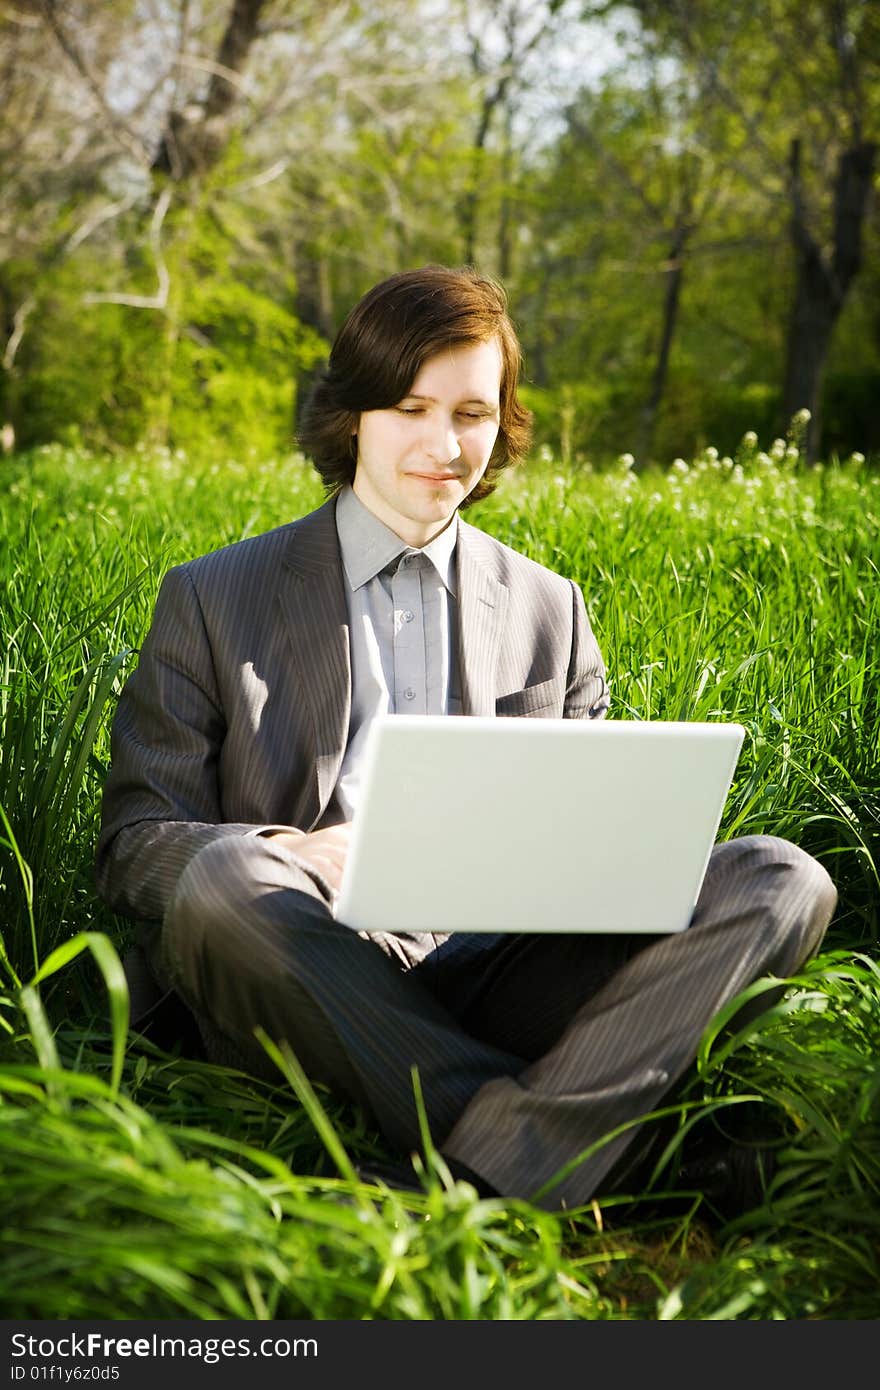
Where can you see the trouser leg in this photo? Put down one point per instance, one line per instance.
(764, 908)
(248, 940)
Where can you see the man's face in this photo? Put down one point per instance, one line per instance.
(419, 460)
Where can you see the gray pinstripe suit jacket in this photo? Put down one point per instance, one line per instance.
(237, 715)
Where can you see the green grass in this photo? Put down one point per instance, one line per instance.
(143, 1184)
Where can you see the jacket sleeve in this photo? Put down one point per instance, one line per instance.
(587, 695)
(161, 801)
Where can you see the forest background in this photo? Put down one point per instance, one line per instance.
(677, 196)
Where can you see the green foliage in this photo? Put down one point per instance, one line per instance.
(579, 420)
(811, 1250)
(674, 156)
(234, 345)
(677, 158)
(215, 366)
(150, 1220)
(83, 372)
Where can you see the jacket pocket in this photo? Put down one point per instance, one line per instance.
(543, 700)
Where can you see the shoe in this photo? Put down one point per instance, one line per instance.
(732, 1177)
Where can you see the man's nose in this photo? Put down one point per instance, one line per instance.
(442, 443)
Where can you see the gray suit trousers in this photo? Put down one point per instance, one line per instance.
(530, 1048)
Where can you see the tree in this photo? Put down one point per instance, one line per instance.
(798, 83)
(302, 147)
(504, 37)
(188, 132)
(664, 183)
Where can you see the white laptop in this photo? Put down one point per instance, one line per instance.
(523, 825)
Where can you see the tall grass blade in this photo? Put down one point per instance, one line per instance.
(110, 966)
(43, 1042)
(27, 879)
(284, 1059)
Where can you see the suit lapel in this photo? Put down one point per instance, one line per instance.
(482, 605)
(311, 595)
(312, 598)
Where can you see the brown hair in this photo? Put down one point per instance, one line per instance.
(380, 349)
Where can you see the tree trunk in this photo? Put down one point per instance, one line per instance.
(811, 326)
(671, 298)
(505, 215)
(822, 282)
(469, 206)
(192, 146)
(314, 308)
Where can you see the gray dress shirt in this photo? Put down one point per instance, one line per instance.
(402, 631)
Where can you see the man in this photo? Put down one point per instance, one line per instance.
(236, 758)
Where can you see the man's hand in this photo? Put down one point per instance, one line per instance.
(325, 850)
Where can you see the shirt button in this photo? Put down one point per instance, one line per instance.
(409, 693)
(408, 616)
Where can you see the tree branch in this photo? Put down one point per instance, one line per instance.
(19, 322)
(583, 132)
(128, 138)
(191, 146)
(240, 33)
(844, 45)
(229, 75)
(93, 222)
(159, 300)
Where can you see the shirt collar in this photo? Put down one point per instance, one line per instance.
(368, 546)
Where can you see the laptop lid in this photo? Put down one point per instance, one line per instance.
(493, 825)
